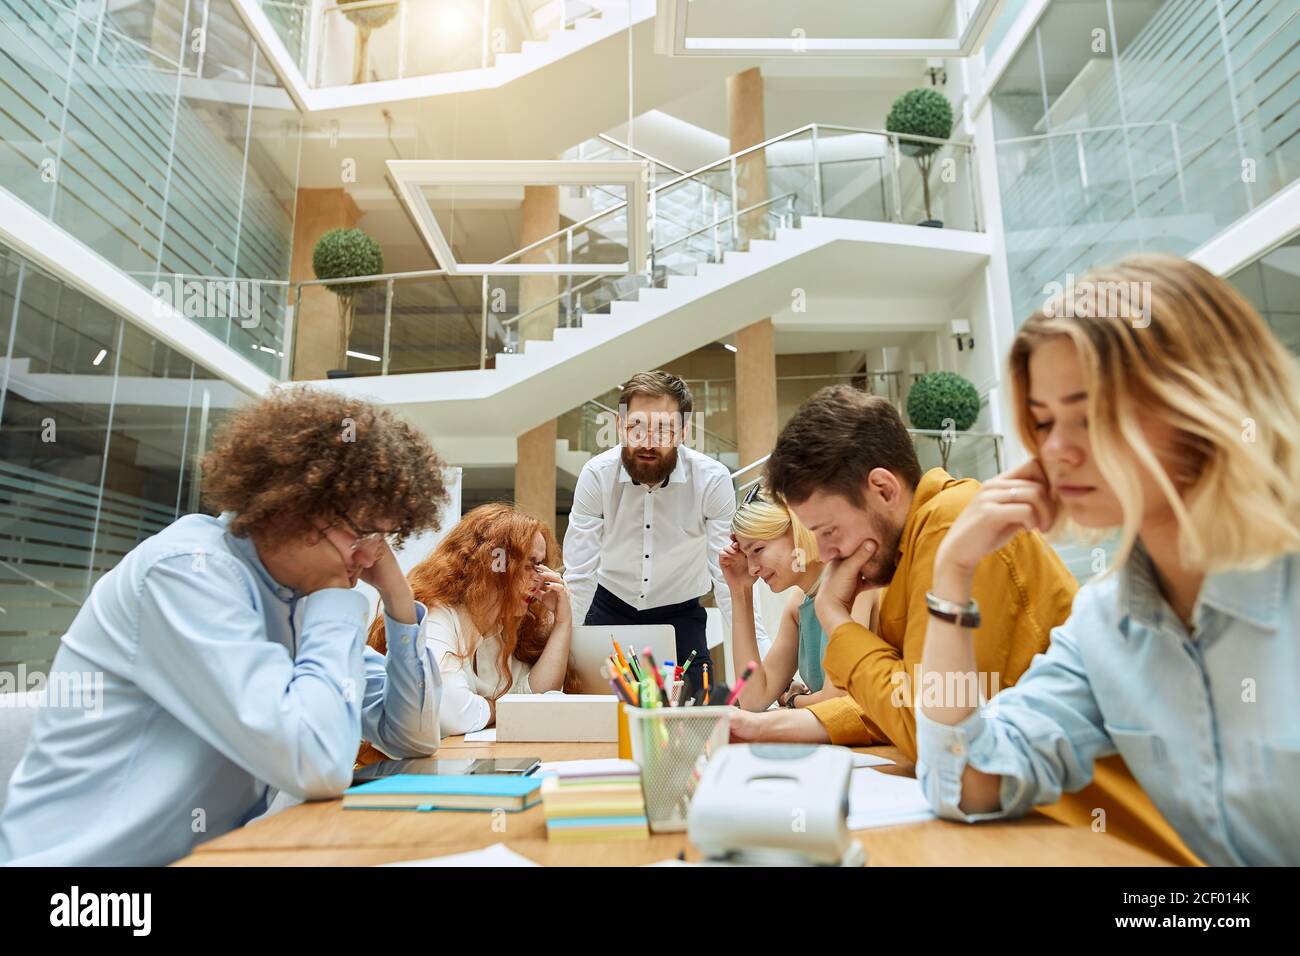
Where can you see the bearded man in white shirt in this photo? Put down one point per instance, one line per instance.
(650, 517)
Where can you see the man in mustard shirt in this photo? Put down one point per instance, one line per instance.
(846, 466)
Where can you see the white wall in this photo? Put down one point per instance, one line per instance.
(421, 546)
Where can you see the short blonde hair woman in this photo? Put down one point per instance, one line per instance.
(769, 543)
(1176, 422)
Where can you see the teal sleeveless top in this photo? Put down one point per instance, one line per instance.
(812, 646)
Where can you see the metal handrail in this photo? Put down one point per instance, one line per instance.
(717, 222)
(636, 152)
(550, 301)
(864, 373)
(734, 216)
(420, 274)
(752, 465)
(927, 432)
(730, 160)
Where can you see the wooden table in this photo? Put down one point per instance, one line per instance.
(322, 833)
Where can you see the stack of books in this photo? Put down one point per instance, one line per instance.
(428, 791)
(588, 801)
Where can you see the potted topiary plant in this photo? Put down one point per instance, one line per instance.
(343, 254)
(366, 21)
(943, 402)
(921, 112)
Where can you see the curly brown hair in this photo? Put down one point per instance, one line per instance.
(301, 453)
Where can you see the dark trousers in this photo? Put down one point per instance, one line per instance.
(688, 620)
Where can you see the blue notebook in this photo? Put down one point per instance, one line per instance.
(422, 791)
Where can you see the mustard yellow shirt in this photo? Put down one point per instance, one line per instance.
(1023, 590)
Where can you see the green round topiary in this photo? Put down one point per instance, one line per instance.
(937, 396)
(920, 112)
(344, 253)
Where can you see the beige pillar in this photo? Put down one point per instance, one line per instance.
(317, 323)
(746, 127)
(540, 217)
(756, 413)
(535, 472)
(756, 410)
(535, 449)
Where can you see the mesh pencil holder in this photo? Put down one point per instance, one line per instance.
(671, 746)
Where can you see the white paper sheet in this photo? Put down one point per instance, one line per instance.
(883, 800)
(487, 736)
(599, 767)
(870, 760)
(498, 854)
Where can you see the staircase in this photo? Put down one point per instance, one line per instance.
(721, 262)
(656, 325)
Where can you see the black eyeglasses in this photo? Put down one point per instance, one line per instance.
(752, 493)
(364, 538)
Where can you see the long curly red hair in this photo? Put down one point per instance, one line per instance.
(486, 556)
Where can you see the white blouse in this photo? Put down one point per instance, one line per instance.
(467, 683)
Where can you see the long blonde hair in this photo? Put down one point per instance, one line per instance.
(767, 520)
(1196, 356)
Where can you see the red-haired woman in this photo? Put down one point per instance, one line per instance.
(499, 620)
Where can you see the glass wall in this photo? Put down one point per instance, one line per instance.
(101, 427)
(1132, 125)
(1010, 10)
(154, 132)
(1272, 283)
(291, 19)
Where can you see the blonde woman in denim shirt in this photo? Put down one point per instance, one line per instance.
(1166, 408)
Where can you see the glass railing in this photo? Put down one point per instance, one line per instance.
(719, 208)
(364, 41)
(977, 455)
(715, 398)
(1189, 125)
(1074, 198)
(291, 20)
(163, 156)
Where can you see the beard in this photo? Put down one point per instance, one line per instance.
(879, 571)
(649, 474)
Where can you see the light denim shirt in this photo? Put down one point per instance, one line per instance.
(1208, 723)
(219, 686)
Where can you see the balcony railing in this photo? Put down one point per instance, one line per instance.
(975, 455)
(435, 321)
(365, 41)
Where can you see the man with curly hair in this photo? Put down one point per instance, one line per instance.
(231, 649)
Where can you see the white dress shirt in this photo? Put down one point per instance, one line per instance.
(467, 683)
(650, 546)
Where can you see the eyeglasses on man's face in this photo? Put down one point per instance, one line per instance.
(364, 538)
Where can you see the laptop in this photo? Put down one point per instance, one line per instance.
(592, 644)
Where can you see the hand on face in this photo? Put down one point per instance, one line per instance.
(334, 563)
(553, 593)
(1015, 501)
(735, 567)
(840, 586)
(384, 574)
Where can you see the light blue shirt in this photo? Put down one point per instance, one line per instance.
(219, 686)
(1208, 723)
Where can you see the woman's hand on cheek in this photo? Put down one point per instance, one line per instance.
(1015, 501)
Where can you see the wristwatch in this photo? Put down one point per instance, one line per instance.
(789, 701)
(963, 615)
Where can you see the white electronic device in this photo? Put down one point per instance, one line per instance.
(592, 644)
(778, 804)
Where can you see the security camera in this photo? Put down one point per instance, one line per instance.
(959, 329)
